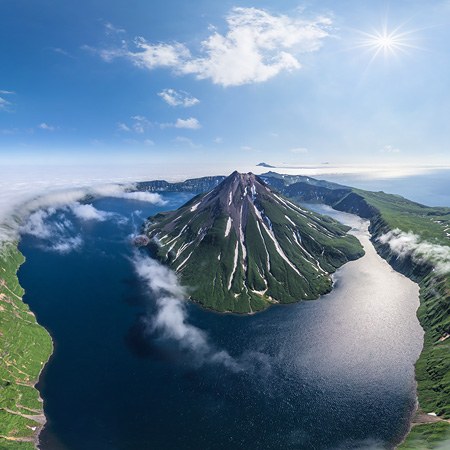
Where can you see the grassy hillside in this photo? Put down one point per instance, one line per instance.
(428, 437)
(24, 347)
(431, 224)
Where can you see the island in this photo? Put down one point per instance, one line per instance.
(242, 247)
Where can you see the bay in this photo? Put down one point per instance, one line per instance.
(335, 373)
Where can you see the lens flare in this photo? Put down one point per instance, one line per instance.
(387, 42)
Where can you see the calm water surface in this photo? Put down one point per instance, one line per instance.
(336, 373)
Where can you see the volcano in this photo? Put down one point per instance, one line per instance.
(242, 247)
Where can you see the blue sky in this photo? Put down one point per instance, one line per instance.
(224, 83)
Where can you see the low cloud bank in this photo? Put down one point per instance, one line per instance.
(409, 244)
(57, 231)
(54, 229)
(171, 320)
(21, 205)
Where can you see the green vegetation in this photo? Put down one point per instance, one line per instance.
(431, 224)
(428, 436)
(24, 347)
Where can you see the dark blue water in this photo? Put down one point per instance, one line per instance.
(336, 373)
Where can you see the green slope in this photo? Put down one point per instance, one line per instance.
(24, 347)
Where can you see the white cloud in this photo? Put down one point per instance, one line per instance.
(36, 226)
(67, 245)
(171, 321)
(148, 142)
(390, 149)
(178, 98)
(111, 29)
(186, 141)
(54, 229)
(46, 127)
(152, 56)
(191, 124)
(88, 212)
(298, 150)
(148, 197)
(18, 201)
(61, 51)
(139, 125)
(255, 47)
(218, 140)
(171, 317)
(123, 127)
(4, 104)
(410, 244)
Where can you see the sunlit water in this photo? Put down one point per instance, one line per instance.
(335, 373)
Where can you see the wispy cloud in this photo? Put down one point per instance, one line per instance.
(87, 212)
(139, 124)
(189, 124)
(256, 46)
(54, 229)
(112, 29)
(46, 127)
(123, 127)
(178, 98)
(5, 105)
(186, 141)
(171, 320)
(57, 232)
(249, 148)
(410, 244)
(389, 149)
(61, 51)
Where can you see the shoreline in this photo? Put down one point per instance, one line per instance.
(21, 423)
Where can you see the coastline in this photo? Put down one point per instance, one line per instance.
(26, 347)
(430, 382)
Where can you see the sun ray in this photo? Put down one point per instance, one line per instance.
(388, 42)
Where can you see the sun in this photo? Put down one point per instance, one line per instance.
(387, 42)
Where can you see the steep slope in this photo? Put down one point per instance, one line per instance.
(241, 247)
